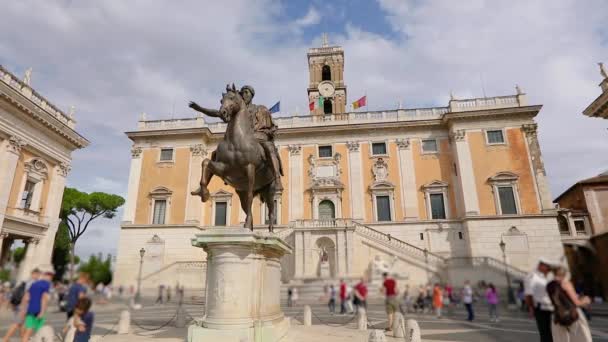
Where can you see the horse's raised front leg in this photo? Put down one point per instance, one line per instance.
(208, 171)
(250, 171)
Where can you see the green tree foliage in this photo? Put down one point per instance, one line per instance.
(79, 209)
(98, 269)
(61, 251)
(18, 255)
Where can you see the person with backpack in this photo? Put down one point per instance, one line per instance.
(537, 298)
(16, 304)
(569, 323)
(77, 290)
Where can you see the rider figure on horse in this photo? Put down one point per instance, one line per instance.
(263, 127)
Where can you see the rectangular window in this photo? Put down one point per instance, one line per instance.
(507, 200)
(221, 209)
(276, 209)
(166, 154)
(28, 194)
(437, 207)
(378, 148)
(495, 137)
(429, 146)
(160, 208)
(579, 225)
(383, 206)
(421, 236)
(460, 235)
(325, 152)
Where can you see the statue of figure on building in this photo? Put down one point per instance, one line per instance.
(518, 89)
(603, 70)
(323, 254)
(246, 158)
(27, 78)
(378, 267)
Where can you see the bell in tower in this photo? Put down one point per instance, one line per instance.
(326, 88)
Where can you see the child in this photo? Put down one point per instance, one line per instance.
(83, 320)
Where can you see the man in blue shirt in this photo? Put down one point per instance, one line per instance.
(77, 290)
(36, 302)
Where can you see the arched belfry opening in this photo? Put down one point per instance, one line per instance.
(326, 73)
(327, 106)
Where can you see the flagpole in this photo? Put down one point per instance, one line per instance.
(366, 101)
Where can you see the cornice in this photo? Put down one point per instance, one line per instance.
(489, 113)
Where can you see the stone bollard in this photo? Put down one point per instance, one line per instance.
(412, 331)
(307, 316)
(124, 323)
(362, 319)
(376, 336)
(45, 334)
(398, 325)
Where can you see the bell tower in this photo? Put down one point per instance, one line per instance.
(326, 88)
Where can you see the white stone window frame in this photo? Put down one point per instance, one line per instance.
(160, 193)
(35, 171)
(277, 197)
(505, 179)
(371, 149)
(580, 219)
(333, 151)
(221, 196)
(160, 152)
(436, 187)
(422, 151)
(383, 189)
(504, 137)
(335, 198)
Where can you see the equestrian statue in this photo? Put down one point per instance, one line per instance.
(247, 158)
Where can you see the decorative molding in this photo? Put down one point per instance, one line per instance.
(503, 177)
(458, 135)
(35, 241)
(64, 169)
(353, 146)
(403, 144)
(37, 167)
(198, 150)
(136, 152)
(156, 240)
(380, 170)
(160, 192)
(530, 130)
(436, 184)
(15, 144)
(3, 235)
(294, 150)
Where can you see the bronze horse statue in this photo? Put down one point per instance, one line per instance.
(239, 160)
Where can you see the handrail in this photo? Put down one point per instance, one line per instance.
(489, 261)
(176, 263)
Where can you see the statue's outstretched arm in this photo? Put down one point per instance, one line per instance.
(206, 111)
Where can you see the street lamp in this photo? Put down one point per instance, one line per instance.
(142, 251)
(510, 297)
(426, 263)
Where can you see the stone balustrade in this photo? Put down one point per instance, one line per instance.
(487, 103)
(489, 262)
(12, 81)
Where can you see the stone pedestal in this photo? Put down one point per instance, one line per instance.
(243, 287)
(324, 270)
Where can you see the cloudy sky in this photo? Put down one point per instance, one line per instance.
(113, 60)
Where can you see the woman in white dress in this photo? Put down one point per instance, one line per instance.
(579, 330)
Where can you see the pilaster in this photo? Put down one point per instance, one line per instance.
(194, 206)
(355, 169)
(407, 172)
(9, 155)
(538, 168)
(133, 187)
(296, 185)
(27, 264)
(464, 163)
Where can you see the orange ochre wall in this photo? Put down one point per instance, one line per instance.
(489, 160)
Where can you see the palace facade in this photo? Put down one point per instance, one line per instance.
(36, 143)
(427, 193)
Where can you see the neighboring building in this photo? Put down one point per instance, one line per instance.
(36, 143)
(427, 192)
(583, 224)
(599, 107)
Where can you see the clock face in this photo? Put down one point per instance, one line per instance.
(326, 89)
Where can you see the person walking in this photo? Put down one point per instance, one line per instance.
(437, 299)
(405, 300)
(360, 295)
(77, 290)
(537, 299)
(294, 296)
(36, 302)
(569, 323)
(16, 302)
(467, 299)
(83, 320)
(343, 297)
(289, 294)
(159, 298)
(332, 299)
(168, 294)
(391, 302)
(492, 299)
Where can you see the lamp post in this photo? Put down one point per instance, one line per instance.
(426, 264)
(510, 297)
(142, 251)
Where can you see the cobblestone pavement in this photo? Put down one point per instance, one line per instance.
(157, 322)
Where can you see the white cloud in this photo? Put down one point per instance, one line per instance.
(312, 17)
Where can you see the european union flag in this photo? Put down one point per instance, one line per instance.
(276, 108)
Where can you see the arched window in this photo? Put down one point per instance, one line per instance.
(562, 223)
(327, 210)
(327, 106)
(326, 73)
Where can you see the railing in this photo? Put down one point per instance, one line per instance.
(492, 263)
(485, 103)
(328, 49)
(15, 83)
(329, 223)
(405, 247)
(202, 265)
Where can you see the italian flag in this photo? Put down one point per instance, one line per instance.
(316, 104)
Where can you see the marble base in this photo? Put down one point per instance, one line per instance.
(243, 286)
(324, 270)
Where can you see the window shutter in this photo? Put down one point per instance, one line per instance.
(160, 207)
(437, 207)
(383, 205)
(507, 200)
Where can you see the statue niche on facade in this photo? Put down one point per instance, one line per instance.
(246, 158)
